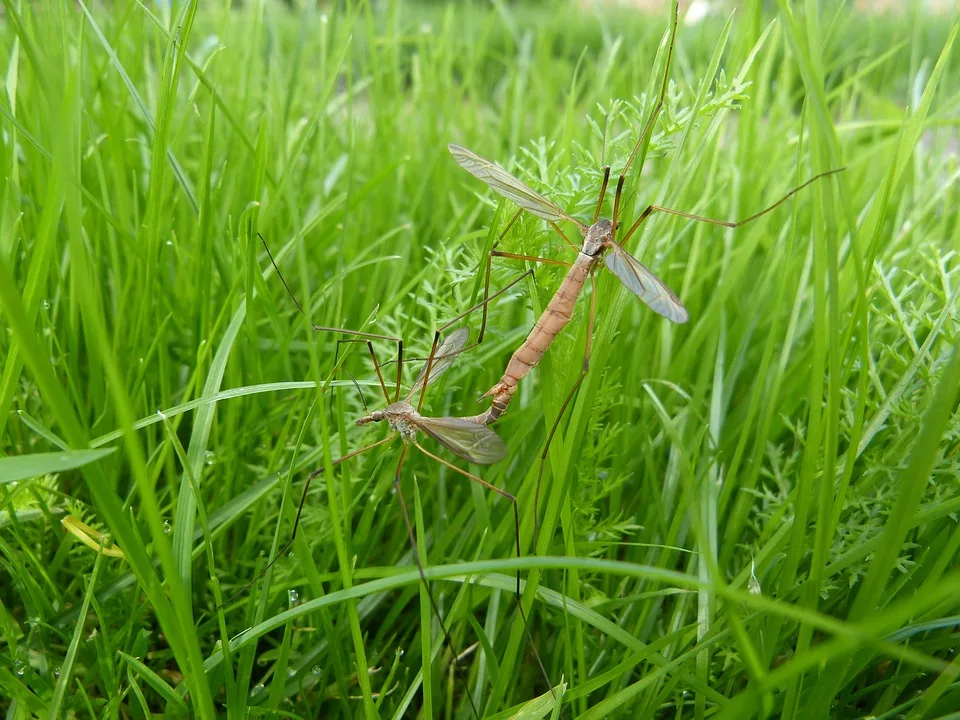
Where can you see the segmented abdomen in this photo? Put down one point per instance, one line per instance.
(554, 318)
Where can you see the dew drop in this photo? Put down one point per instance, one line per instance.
(169, 243)
(316, 670)
(19, 668)
(56, 671)
(292, 672)
(294, 596)
(399, 652)
(46, 304)
(167, 527)
(257, 689)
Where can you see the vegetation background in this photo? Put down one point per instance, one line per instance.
(753, 514)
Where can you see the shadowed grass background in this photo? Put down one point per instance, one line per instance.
(756, 510)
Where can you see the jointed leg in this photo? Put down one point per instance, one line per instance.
(603, 191)
(484, 304)
(303, 500)
(353, 333)
(516, 522)
(373, 356)
(423, 577)
(436, 336)
(725, 223)
(512, 256)
(497, 253)
(563, 407)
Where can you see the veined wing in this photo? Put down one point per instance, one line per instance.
(443, 359)
(508, 186)
(644, 284)
(471, 441)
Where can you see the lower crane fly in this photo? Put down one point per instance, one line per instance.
(599, 240)
(469, 440)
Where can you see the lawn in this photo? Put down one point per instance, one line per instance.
(752, 514)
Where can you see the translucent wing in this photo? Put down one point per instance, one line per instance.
(444, 357)
(645, 285)
(508, 186)
(471, 441)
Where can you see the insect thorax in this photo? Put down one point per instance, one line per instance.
(598, 234)
(402, 418)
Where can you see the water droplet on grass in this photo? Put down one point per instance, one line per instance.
(316, 670)
(167, 527)
(294, 596)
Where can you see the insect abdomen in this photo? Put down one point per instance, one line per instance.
(554, 318)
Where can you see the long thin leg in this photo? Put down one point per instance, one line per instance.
(512, 256)
(603, 190)
(516, 521)
(436, 335)
(354, 333)
(482, 304)
(563, 235)
(496, 253)
(516, 216)
(296, 522)
(725, 223)
(552, 224)
(373, 355)
(531, 258)
(423, 578)
(563, 407)
(616, 203)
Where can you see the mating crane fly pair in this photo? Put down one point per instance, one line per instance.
(469, 437)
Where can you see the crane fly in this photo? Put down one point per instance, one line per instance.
(599, 246)
(466, 439)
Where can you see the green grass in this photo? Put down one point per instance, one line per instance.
(753, 514)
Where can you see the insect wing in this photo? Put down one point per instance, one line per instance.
(645, 285)
(451, 346)
(508, 186)
(471, 441)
